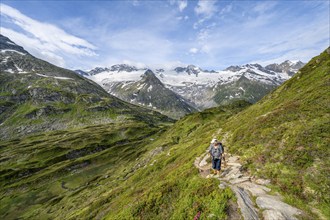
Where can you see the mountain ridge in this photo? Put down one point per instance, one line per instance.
(149, 91)
(201, 88)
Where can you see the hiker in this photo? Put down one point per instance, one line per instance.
(216, 151)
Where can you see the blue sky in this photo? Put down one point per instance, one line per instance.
(209, 34)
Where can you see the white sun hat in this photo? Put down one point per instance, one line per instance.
(214, 140)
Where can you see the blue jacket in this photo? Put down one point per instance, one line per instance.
(216, 152)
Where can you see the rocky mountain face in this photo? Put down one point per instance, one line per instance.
(199, 88)
(81, 73)
(115, 68)
(38, 96)
(287, 67)
(250, 82)
(149, 91)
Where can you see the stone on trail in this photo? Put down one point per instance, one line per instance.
(240, 180)
(245, 186)
(263, 181)
(232, 159)
(234, 165)
(255, 189)
(273, 215)
(245, 203)
(233, 176)
(273, 203)
(203, 161)
(222, 185)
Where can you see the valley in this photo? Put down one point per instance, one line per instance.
(71, 150)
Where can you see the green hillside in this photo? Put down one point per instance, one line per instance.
(128, 163)
(31, 103)
(36, 96)
(117, 171)
(253, 91)
(52, 174)
(285, 136)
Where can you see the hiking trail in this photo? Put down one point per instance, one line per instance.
(253, 196)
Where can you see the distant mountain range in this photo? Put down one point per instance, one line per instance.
(172, 92)
(191, 87)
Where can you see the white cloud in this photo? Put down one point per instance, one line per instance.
(193, 50)
(203, 35)
(263, 7)
(133, 63)
(34, 46)
(137, 44)
(303, 55)
(181, 4)
(226, 9)
(206, 8)
(296, 38)
(223, 37)
(182, 18)
(259, 20)
(263, 40)
(48, 38)
(167, 65)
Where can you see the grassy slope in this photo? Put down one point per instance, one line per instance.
(68, 104)
(118, 172)
(285, 136)
(52, 174)
(171, 188)
(253, 91)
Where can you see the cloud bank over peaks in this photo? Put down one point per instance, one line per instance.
(43, 39)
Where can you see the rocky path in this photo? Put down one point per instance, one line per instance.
(253, 196)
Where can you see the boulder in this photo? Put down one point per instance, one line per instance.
(245, 203)
(273, 215)
(273, 203)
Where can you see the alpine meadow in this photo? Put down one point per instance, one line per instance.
(165, 110)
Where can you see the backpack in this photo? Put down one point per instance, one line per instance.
(222, 148)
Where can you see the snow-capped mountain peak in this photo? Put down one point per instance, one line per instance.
(114, 68)
(288, 67)
(8, 46)
(190, 69)
(150, 77)
(199, 88)
(98, 70)
(123, 67)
